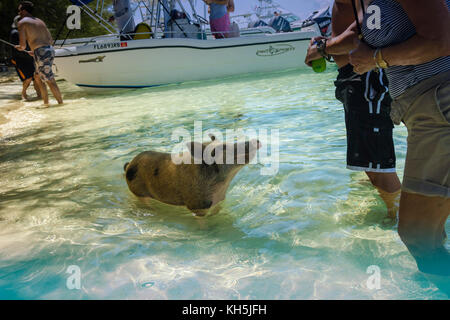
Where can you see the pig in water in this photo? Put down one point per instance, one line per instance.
(197, 186)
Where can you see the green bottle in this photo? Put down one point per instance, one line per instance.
(319, 65)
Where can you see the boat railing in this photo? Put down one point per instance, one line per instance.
(162, 34)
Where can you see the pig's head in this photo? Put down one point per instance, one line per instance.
(223, 160)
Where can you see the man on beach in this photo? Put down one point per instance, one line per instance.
(367, 102)
(35, 32)
(23, 63)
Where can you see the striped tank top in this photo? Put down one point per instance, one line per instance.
(396, 27)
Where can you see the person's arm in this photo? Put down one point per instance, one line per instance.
(230, 6)
(431, 41)
(22, 37)
(338, 44)
(432, 38)
(343, 43)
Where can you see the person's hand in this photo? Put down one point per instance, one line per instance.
(362, 58)
(18, 47)
(312, 53)
(31, 53)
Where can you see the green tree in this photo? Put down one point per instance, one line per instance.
(53, 13)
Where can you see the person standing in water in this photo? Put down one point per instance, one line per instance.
(23, 63)
(413, 45)
(35, 32)
(367, 104)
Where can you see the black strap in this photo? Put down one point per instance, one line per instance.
(362, 6)
(355, 12)
(358, 25)
(67, 35)
(60, 29)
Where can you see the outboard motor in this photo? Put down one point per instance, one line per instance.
(280, 24)
(323, 20)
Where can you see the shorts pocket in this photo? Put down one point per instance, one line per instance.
(442, 98)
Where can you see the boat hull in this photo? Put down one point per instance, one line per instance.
(154, 62)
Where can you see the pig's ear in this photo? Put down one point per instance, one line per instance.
(196, 149)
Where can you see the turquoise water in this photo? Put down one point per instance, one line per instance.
(308, 232)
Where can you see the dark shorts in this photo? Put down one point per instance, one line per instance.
(24, 67)
(367, 105)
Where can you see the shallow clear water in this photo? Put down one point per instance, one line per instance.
(308, 232)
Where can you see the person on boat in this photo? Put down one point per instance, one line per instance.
(24, 63)
(219, 18)
(367, 104)
(416, 56)
(35, 32)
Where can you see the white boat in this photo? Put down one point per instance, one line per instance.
(112, 63)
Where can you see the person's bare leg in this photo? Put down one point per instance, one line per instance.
(36, 86)
(55, 90)
(42, 88)
(421, 227)
(388, 185)
(443, 237)
(44, 92)
(25, 84)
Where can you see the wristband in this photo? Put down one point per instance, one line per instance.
(321, 47)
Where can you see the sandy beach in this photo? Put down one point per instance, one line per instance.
(10, 98)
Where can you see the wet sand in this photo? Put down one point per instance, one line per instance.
(10, 94)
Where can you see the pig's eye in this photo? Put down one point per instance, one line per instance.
(215, 166)
(210, 167)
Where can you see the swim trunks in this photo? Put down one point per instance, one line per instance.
(367, 105)
(22, 61)
(24, 68)
(44, 57)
